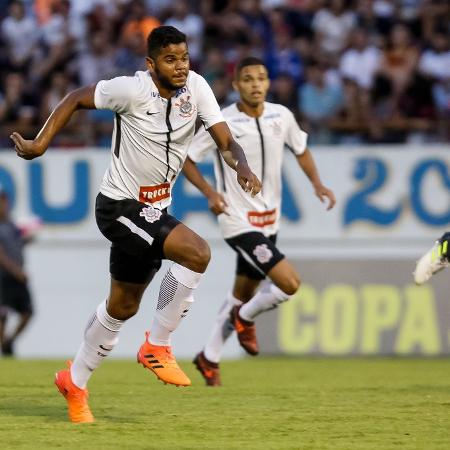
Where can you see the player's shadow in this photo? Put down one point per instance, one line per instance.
(26, 408)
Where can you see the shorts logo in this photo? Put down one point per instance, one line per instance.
(262, 219)
(263, 253)
(153, 194)
(186, 107)
(150, 214)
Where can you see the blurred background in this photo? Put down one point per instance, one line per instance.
(369, 80)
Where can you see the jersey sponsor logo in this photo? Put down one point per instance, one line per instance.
(152, 194)
(186, 107)
(263, 253)
(262, 219)
(156, 94)
(150, 214)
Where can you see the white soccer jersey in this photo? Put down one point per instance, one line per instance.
(151, 134)
(263, 140)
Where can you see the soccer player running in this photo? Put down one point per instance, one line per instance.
(250, 225)
(434, 260)
(155, 115)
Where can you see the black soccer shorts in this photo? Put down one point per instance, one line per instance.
(256, 254)
(15, 295)
(137, 233)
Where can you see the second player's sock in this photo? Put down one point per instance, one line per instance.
(100, 337)
(268, 297)
(221, 331)
(175, 299)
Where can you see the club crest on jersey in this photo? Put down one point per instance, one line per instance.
(263, 253)
(153, 194)
(276, 128)
(186, 107)
(150, 214)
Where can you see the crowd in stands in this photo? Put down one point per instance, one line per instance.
(361, 71)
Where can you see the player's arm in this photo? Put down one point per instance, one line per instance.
(10, 266)
(234, 156)
(307, 164)
(216, 202)
(82, 98)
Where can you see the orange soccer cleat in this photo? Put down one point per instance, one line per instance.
(210, 371)
(246, 332)
(78, 408)
(160, 360)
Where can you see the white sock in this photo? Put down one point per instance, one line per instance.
(100, 337)
(222, 330)
(268, 297)
(175, 299)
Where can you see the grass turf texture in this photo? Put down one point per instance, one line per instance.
(270, 403)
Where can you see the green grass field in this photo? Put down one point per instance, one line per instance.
(265, 403)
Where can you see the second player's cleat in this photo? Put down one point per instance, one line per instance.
(78, 408)
(210, 371)
(246, 332)
(160, 360)
(433, 261)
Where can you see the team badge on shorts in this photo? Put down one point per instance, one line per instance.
(150, 214)
(186, 107)
(263, 253)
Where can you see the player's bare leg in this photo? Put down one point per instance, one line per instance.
(207, 361)
(191, 256)
(285, 282)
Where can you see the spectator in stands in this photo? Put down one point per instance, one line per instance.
(282, 58)
(20, 35)
(332, 26)
(319, 102)
(191, 25)
(399, 60)
(139, 21)
(361, 61)
(97, 63)
(435, 61)
(17, 105)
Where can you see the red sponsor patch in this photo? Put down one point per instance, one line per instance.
(262, 219)
(152, 194)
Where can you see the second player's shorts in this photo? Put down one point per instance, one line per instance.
(257, 254)
(15, 295)
(137, 232)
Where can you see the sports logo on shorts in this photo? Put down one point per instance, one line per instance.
(150, 214)
(263, 253)
(186, 107)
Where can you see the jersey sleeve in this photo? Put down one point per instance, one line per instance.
(208, 108)
(116, 94)
(201, 145)
(295, 137)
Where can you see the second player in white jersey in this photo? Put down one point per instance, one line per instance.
(264, 139)
(151, 134)
(250, 225)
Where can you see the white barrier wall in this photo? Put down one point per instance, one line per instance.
(392, 203)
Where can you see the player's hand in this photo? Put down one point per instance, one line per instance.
(247, 179)
(324, 193)
(217, 204)
(26, 149)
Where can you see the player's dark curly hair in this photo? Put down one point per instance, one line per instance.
(161, 37)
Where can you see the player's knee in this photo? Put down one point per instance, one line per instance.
(126, 307)
(199, 256)
(290, 284)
